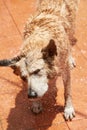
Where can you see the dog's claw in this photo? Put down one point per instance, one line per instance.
(69, 113)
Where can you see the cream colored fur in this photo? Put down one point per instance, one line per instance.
(48, 40)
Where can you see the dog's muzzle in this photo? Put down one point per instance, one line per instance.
(32, 94)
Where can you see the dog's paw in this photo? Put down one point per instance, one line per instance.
(36, 107)
(69, 113)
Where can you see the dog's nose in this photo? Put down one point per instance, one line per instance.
(32, 94)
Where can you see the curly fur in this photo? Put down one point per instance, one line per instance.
(46, 50)
(48, 39)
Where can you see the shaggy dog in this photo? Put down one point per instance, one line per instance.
(46, 50)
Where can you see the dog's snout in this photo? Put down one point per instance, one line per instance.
(32, 94)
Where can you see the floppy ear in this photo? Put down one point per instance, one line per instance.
(16, 69)
(50, 50)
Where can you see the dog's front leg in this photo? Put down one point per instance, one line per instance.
(68, 110)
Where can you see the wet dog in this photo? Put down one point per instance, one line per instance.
(46, 50)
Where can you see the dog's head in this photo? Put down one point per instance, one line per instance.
(38, 67)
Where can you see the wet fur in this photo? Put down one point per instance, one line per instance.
(48, 40)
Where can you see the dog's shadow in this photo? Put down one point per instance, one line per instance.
(21, 117)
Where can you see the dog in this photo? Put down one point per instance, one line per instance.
(46, 50)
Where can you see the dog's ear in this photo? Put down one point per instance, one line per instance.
(50, 50)
(16, 69)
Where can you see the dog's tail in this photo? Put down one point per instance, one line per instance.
(10, 62)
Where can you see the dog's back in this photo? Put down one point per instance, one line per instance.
(56, 10)
(66, 8)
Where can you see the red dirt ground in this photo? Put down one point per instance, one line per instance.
(15, 111)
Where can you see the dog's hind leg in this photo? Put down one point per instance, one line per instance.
(69, 110)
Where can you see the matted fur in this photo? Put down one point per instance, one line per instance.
(46, 50)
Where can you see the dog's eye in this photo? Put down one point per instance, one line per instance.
(36, 71)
